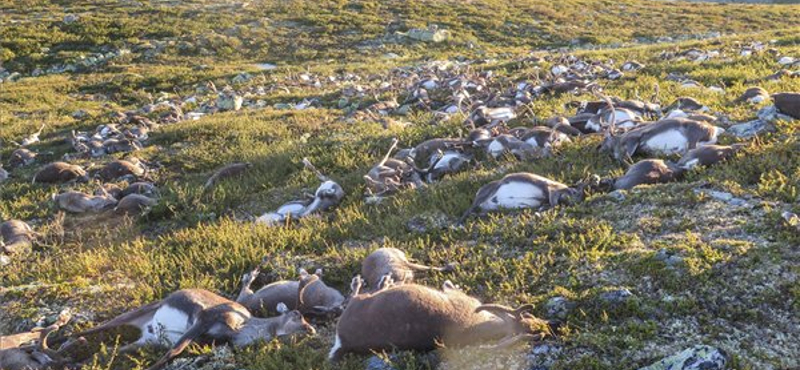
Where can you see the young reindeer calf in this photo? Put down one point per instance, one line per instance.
(309, 295)
(415, 317)
(189, 314)
(393, 262)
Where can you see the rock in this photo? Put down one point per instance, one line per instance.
(79, 114)
(242, 77)
(785, 61)
(429, 35)
(700, 357)
(792, 220)
(266, 66)
(668, 257)
(617, 195)
(4, 260)
(229, 101)
(723, 197)
(616, 296)
(559, 307)
(70, 18)
(750, 129)
(425, 222)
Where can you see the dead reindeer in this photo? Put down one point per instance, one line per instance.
(648, 171)
(562, 125)
(22, 157)
(33, 138)
(228, 171)
(543, 137)
(665, 137)
(134, 204)
(16, 354)
(123, 145)
(122, 168)
(17, 236)
(309, 295)
(445, 163)
(140, 187)
(328, 195)
(687, 104)
(423, 152)
(522, 191)
(708, 155)
(619, 118)
(522, 150)
(415, 317)
(753, 95)
(60, 172)
(190, 314)
(788, 104)
(77, 202)
(393, 262)
(390, 175)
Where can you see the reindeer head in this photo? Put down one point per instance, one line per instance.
(292, 322)
(521, 324)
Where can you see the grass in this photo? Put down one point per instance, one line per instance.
(735, 288)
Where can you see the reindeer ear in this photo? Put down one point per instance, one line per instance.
(318, 272)
(281, 308)
(303, 273)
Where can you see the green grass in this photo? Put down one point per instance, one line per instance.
(736, 287)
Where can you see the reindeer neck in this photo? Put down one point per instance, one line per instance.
(491, 328)
(255, 329)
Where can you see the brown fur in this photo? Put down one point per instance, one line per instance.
(77, 202)
(16, 236)
(415, 317)
(626, 145)
(309, 294)
(134, 204)
(393, 262)
(119, 168)
(648, 171)
(21, 157)
(708, 155)
(752, 93)
(212, 318)
(553, 192)
(60, 172)
(788, 104)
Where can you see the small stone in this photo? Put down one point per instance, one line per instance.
(616, 296)
(229, 101)
(425, 222)
(559, 307)
(79, 114)
(749, 129)
(617, 195)
(70, 18)
(700, 357)
(768, 113)
(242, 77)
(792, 220)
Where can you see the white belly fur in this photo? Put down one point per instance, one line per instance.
(446, 159)
(496, 148)
(669, 142)
(168, 324)
(336, 345)
(515, 195)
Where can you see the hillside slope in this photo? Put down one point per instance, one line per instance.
(706, 259)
